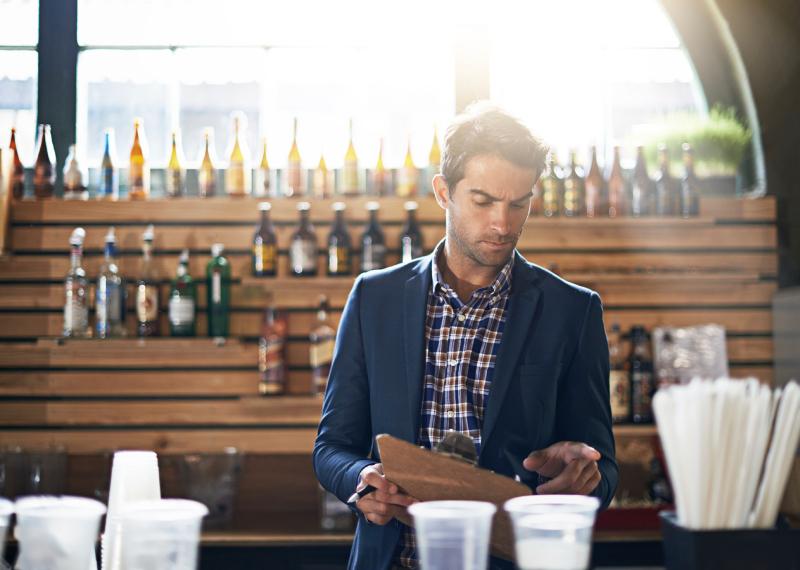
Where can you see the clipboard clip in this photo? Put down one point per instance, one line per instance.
(458, 446)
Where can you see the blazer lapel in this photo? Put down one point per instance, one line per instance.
(414, 312)
(519, 317)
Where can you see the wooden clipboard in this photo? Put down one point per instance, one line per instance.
(430, 476)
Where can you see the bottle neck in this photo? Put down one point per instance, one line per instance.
(305, 223)
(182, 270)
(75, 256)
(147, 250)
(110, 252)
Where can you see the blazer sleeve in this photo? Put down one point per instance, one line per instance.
(584, 410)
(344, 436)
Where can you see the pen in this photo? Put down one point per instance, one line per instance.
(359, 494)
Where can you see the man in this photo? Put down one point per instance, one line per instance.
(471, 338)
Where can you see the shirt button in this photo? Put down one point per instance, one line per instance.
(450, 413)
(453, 362)
(462, 317)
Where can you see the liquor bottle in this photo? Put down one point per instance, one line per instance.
(640, 365)
(690, 200)
(109, 176)
(411, 243)
(182, 303)
(320, 185)
(303, 248)
(574, 193)
(322, 339)
(74, 188)
(207, 173)
(218, 289)
(17, 168)
(641, 191)
(265, 245)
(434, 164)
(552, 187)
(617, 205)
(147, 289)
(665, 370)
(595, 202)
(294, 178)
(272, 366)
(380, 177)
(407, 176)
(44, 169)
(666, 191)
(263, 186)
(373, 246)
(139, 169)
(237, 176)
(620, 382)
(76, 290)
(350, 169)
(339, 245)
(110, 297)
(176, 174)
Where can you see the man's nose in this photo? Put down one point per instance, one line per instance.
(501, 220)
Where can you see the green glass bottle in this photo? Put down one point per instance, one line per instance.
(182, 300)
(218, 288)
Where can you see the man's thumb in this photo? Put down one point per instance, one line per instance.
(535, 460)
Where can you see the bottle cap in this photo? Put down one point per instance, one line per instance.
(184, 258)
(410, 205)
(373, 206)
(149, 233)
(264, 206)
(338, 206)
(302, 206)
(77, 237)
(217, 249)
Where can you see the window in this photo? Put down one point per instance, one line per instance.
(19, 25)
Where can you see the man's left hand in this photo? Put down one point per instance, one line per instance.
(571, 467)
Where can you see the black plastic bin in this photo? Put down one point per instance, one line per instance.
(747, 549)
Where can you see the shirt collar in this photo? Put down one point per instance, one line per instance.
(500, 286)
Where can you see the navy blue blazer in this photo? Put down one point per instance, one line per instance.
(550, 383)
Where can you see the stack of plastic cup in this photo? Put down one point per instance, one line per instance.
(57, 533)
(553, 532)
(453, 535)
(161, 534)
(6, 510)
(134, 478)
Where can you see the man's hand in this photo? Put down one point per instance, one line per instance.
(383, 504)
(571, 466)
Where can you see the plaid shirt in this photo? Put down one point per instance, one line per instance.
(462, 344)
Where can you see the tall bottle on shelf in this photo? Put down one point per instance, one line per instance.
(44, 169)
(264, 184)
(272, 364)
(350, 185)
(434, 164)
(110, 296)
(264, 258)
(109, 174)
(207, 171)
(617, 203)
(303, 247)
(74, 178)
(411, 241)
(552, 187)
(339, 245)
(147, 289)
(619, 379)
(640, 365)
(690, 198)
(139, 168)
(237, 175)
(596, 201)
(294, 168)
(76, 290)
(176, 173)
(182, 302)
(17, 168)
(667, 196)
(574, 199)
(218, 289)
(407, 176)
(321, 183)
(373, 244)
(322, 340)
(381, 179)
(641, 203)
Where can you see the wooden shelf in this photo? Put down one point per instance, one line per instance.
(633, 430)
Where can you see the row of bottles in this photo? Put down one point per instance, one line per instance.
(238, 171)
(339, 252)
(574, 193)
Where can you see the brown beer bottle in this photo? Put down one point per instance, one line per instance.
(594, 188)
(17, 169)
(44, 169)
(616, 188)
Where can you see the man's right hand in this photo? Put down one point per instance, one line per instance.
(383, 504)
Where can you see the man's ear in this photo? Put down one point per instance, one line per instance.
(441, 191)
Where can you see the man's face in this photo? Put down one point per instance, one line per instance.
(487, 209)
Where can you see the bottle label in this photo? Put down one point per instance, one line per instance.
(109, 304)
(107, 182)
(303, 254)
(264, 257)
(293, 179)
(146, 303)
(338, 259)
(76, 315)
(406, 182)
(181, 311)
(136, 177)
(373, 257)
(234, 178)
(620, 394)
(409, 249)
(271, 364)
(216, 287)
(350, 178)
(321, 353)
(174, 183)
(642, 388)
(206, 182)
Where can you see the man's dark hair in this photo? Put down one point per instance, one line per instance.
(486, 129)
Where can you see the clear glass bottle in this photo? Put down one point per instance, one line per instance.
(147, 289)
(303, 248)
(594, 184)
(322, 339)
(641, 203)
(74, 187)
(109, 175)
(690, 198)
(666, 198)
(272, 353)
(373, 245)
(411, 241)
(320, 183)
(617, 204)
(218, 289)
(265, 245)
(182, 302)
(110, 296)
(339, 245)
(76, 290)
(176, 173)
(640, 365)
(350, 184)
(381, 179)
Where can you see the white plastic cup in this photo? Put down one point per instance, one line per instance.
(453, 535)
(553, 532)
(161, 534)
(57, 533)
(6, 510)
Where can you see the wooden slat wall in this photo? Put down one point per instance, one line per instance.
(177, 396)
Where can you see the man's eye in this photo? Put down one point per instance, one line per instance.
(518, 206)
(482, 204)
